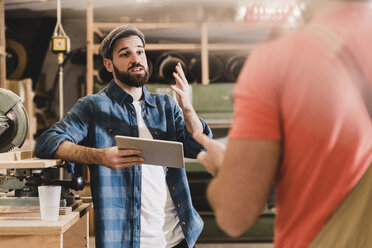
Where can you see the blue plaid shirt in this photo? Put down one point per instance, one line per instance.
(94, 121)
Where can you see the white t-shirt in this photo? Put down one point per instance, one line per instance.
(160, 225)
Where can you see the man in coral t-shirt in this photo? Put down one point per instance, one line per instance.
(301, 123)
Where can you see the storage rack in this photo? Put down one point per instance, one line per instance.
(100, 29)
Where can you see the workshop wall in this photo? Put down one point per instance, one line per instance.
(74, 68)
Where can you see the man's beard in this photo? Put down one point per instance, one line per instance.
(136, 80)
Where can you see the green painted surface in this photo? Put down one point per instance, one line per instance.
(213, 98)
(211, 102)
(261, 231)
(194, 167)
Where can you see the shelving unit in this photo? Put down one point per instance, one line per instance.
(204, 46)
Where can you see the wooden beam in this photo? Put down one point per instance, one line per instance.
(146, 26)
(173, 46)
(2, 46)
(99, 33)
(163, 46)
(204, 54)
(231, 46)
(175, 25)
(90, 37)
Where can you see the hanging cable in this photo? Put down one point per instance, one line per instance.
(61, 46)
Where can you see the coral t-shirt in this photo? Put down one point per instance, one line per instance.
(294, 90)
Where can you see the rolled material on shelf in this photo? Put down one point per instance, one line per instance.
(215, 68)
(233, 66)
(165, 66)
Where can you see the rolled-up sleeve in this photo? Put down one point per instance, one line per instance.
(73, 128)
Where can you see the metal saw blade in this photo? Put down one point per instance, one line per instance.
(10, 133)
(14, 131)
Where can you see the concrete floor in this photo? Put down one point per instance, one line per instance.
(222, 245)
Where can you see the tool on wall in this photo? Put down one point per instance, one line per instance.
(61, 46)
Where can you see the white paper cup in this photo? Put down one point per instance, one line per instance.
(49, 198)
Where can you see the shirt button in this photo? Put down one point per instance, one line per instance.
(167, 169)
(109, 130)
(156, 133)
(147, 117)
(132, 112)
(183, 223)
(178, 205)
(173, 187)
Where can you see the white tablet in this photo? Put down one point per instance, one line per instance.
(155, 152)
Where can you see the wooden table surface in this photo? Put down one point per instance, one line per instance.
(34, 225)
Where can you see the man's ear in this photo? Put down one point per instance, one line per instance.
(108, 64)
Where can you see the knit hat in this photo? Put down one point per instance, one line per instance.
(105, 49)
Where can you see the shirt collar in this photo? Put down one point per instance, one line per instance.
(120, 95)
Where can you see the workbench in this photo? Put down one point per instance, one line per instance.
(71, 230)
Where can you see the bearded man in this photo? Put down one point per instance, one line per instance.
(135, 204)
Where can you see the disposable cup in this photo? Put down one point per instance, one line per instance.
(49, 198)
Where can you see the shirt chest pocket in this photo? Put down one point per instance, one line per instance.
(107, 131)
(158, 133)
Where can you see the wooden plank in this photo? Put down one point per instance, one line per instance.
(31, 226)
(99, 33)
(231, 46)
(32, 241)
(87, 199)
(24, 160)
(69, 231)
(147, 26)
(32, 163)
(76, 204)
(166, 25)
(173, 46)
(83, 207)
(2, 46)
(27, 211)
(16, 156)
(90, 41)
(204, 54)
(96, 48)
(178, 25)
(162, 46)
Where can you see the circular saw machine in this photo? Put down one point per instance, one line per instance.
(13, 121)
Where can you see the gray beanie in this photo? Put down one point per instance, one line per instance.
(105, 49)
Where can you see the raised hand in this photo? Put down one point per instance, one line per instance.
(182, 89)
